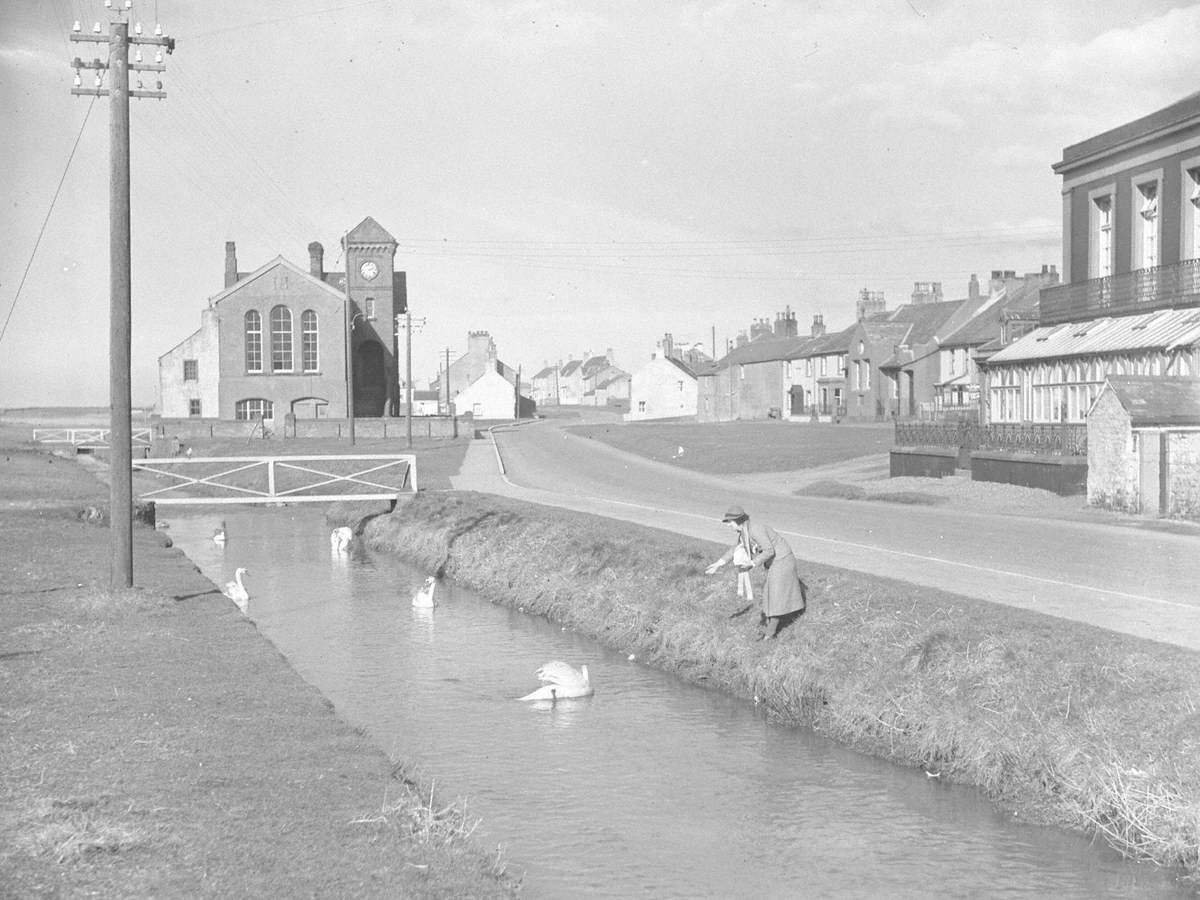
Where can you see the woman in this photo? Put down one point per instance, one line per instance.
(783, 599)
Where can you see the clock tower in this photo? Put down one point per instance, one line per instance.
(378, 293)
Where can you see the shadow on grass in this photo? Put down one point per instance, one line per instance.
(841, 491)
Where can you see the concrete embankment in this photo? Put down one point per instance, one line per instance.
(1059, 721)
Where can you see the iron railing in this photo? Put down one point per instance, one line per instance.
(1142, 290)
(1049, 439)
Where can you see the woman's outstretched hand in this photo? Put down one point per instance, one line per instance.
(712, 570)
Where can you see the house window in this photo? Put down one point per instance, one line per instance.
(1100, 262)
(823, 365)
(309, 359)
(253, 409)
(193, 407)
(1145, 225)
(680, 383)
(191, 370)
(808, 367)
(369, 306)
(742, 372)
(641, 406)
(866, 374)
(281, 339)
(254, 358)
(1191, 213)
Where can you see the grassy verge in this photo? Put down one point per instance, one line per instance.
(723, 447)
(155, 745)
(1061, 722)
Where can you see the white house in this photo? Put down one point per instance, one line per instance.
(491, 396)
(663, 388)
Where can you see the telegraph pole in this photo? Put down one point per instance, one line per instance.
(349, 340)
(447, 381)
(120, 282)
(408, 327)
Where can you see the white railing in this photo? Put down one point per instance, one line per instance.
(275, 479)
(89, 438)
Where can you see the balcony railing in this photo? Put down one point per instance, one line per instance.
(1052, 440)
(1142, 290)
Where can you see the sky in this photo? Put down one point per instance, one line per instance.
(571, 177)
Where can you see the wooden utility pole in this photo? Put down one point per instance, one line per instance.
(517, 403)
(120, 279)
(447, 381)
(349, 340)
(408, 326)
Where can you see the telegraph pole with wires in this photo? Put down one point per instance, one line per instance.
(408, 323)
(120, 400)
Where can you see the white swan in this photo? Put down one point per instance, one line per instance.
(340, 538)
(423, 598)
(218, 535)
(561, 681)
(236, 591)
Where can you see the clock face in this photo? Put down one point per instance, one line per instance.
(368, 270)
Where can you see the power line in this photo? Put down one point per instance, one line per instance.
(46, 221)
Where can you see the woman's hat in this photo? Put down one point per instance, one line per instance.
(733, 513)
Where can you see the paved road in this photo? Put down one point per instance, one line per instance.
(1139, 582)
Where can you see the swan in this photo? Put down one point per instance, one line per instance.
(236, 591)
(561, 681)
(218, 535)
(424, 597)
(340, 538)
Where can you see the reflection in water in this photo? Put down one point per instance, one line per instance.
(651, 787)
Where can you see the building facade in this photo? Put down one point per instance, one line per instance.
(274, 341)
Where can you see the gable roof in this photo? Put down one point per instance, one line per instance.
(1161, 330)
(368, 231)
(1151, 400)
(277, 262)
(545, 373)
(837, 342)
(570, 367)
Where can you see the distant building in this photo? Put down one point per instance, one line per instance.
(273, 341)
(664, 387)
(491, 396)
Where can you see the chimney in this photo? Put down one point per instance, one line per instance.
(785, 323)
(668, 345)
(231, 273)
(818, 326)
(997, 281)
(973, 288)
(316, 261)
(742, 339)
(869, 303)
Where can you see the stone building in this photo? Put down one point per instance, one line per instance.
(1143, 436)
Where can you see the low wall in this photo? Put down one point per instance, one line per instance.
(169, 435)
(1064, 475)
(923, 462)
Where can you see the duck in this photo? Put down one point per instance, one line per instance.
(236, 591)
(423, 599)
(561, 681)
(340, 538)
(218, 535)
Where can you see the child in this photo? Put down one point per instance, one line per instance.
(741, 559)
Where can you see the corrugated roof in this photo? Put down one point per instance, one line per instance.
(1154, 401)
(1157, 330)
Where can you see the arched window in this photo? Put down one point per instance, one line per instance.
(309, 360)
(254, 360)
(281, 339)
(253, 409)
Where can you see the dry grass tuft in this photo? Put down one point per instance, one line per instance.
(73, 828)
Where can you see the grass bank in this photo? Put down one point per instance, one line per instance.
(156, 745)
(1060, 722)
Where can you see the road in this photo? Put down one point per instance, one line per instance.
(1145, 583)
